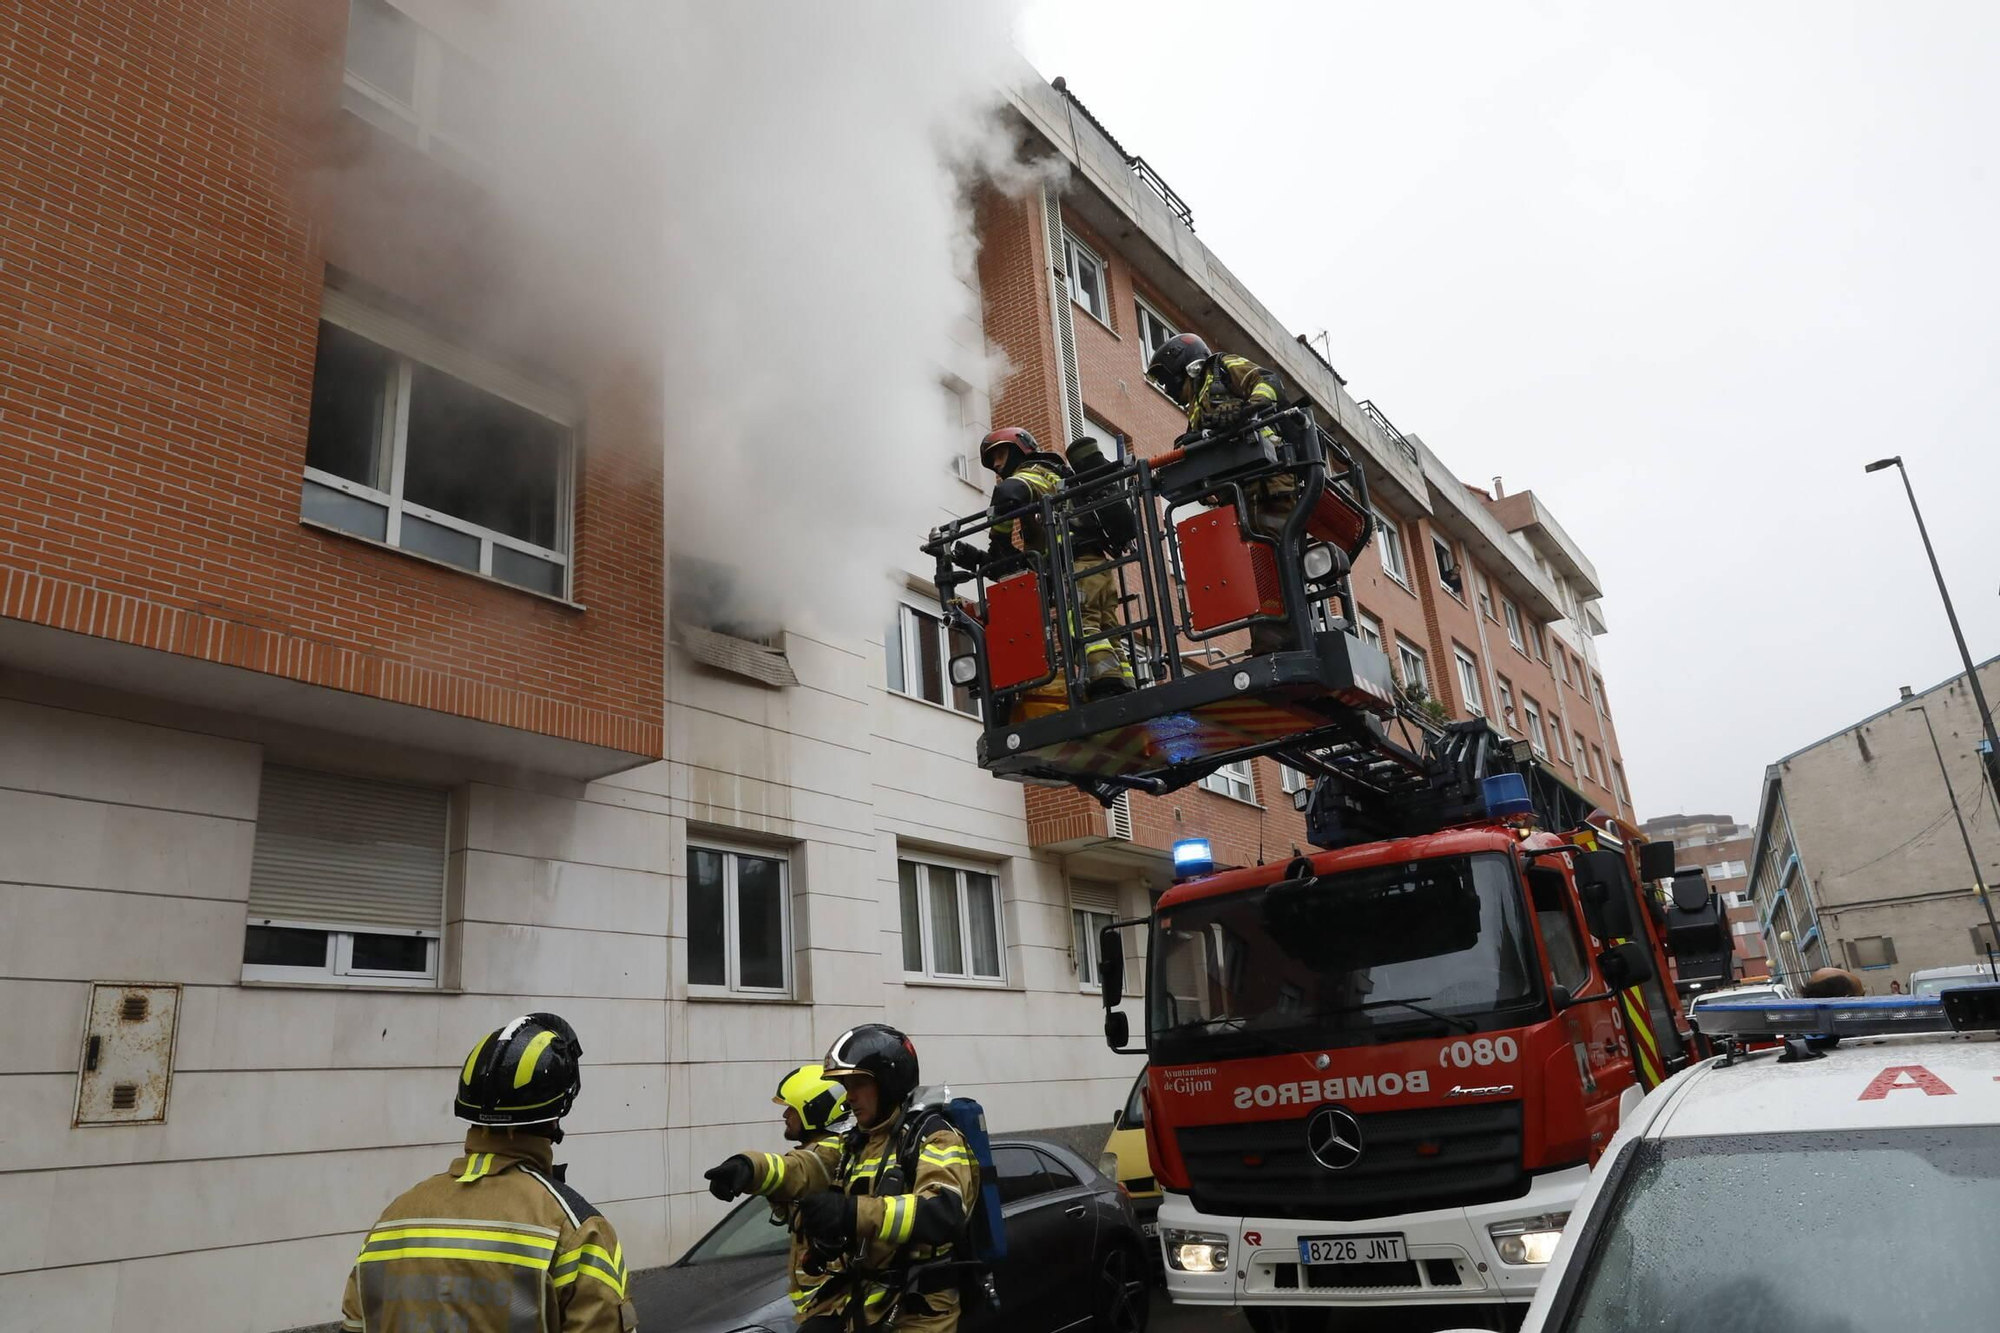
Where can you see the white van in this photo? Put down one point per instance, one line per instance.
(1932, 980)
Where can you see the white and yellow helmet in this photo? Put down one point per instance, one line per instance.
(818, 1099)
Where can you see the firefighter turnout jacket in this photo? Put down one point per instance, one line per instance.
(900, 1222)
(1228, 388)
(1040, 479)
(805, 1277)
(496, 1244)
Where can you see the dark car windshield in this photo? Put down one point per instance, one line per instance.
(1342, 958)
(1835, 1232)
(1134, 1116)
(747, 1232)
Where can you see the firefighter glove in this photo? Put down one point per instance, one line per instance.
(967, 557)
(828, 1217)
(732, 1178)
(1225, 415)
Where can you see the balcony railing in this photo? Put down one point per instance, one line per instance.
(1388, 428)
(1141, 168)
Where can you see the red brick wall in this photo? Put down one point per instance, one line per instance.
(162, 249)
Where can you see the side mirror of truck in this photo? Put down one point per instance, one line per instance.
(1111, 968)
(1605, 888)
(1117, 1030)
(1656, 861)
(1626, 964)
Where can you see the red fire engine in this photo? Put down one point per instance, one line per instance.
(1379, 1073)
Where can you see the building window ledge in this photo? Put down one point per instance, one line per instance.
(386, 988)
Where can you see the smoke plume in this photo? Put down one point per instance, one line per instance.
(775, 196)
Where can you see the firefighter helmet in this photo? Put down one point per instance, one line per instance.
(526, 1073)
(818, 1099)
(1004, 441)
(1171, 362)
(882, 1053)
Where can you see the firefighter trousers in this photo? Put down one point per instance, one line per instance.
(1100, 610)
(1270, 509)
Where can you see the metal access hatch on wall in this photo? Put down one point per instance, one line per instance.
(128, 1054)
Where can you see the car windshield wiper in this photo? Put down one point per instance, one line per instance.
(1451, 1021)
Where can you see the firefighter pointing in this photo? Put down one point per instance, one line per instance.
(813, 1104)
(1026, 472)
(498, 1242)
(899, 1196)
(1220, 391)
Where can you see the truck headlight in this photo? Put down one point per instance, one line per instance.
(1195, 1251)
(1528, 1240)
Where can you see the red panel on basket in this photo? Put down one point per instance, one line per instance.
(1017, 648)
(1218, 567)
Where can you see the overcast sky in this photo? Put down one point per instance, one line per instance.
(1682, 270)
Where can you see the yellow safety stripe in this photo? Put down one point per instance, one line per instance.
(470, 1060)
(774, 1173)
(594, 1261)
(525, 1069)
(442, 1252)
(464, 1233)
(476, 1165)
(948, 1152)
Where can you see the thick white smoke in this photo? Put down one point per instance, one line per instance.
(775, 196)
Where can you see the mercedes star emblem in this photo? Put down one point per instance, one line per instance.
(1333, 1137)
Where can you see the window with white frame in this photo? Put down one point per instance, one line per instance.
(1153, 327)
(1485, 596)
(1513, 618)
(1725, 870)
(1291, 781)
(918, 652)
(1449, 577)
(1579, 755)
(956, 400)
(739, 921)
(1533, 712)
(1618, 782)
(346, 881)
(1506, 689)
(1234, 780)
(1086, 278)
(951, 921)
(1410, 665)
(1597, 752)
(1541, 639)
(1368, 627)
(1597, 693)
(1468, 680)
(402, 77)
(420, 445)
(1092, 908)
(1389, 542)
(1871, 951)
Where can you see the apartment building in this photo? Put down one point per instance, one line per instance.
(1859, 861)
(1721, 848)
(351, 701)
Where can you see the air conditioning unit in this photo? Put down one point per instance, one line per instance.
(1118, 818)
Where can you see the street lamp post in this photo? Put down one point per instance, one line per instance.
(1965, 655)
(1978, 879)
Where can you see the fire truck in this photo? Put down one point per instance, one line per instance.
(1379, 1072)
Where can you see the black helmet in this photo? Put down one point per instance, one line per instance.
(526, 1073)
(1017, 441)
(881, 1052)
(1169, 366)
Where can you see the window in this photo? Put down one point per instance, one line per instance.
(1022, 1173)
(1410, 665)
(346, 881)
(1290, 780)
(418, 445)
(955, 401)
(1233, 780)
(1513, 624)
(1582, 759)
(1086, 278)
(1562, 656)
(918, 653)
(1449, 577)
(1389, 540)
(1560, 931)
(1506, 688)
(1872, 951)
(1597, 693)
(1597, 751)
(1368, 627)
(1541, 640)
(1725, 870)
(402, 78)
(1485, 597)
(1092, 908)
(951, 922)
(739, 922)
(1153, 327)
(1535, 736)
(1618, 781)
(1468, 679)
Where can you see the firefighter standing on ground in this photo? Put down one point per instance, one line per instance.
(888, 1204)
(498, 1242)
(1219, 391)
(813, 1104)
(1026, 473)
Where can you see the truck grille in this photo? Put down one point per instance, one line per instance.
(1411, 1161)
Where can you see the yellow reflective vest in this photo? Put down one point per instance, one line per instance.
(496, 1244)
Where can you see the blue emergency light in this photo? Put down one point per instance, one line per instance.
(1506, 794)
(1192, 856)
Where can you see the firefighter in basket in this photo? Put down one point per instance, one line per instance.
(900, 1195)
(1219, 391)
(1026, 472)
